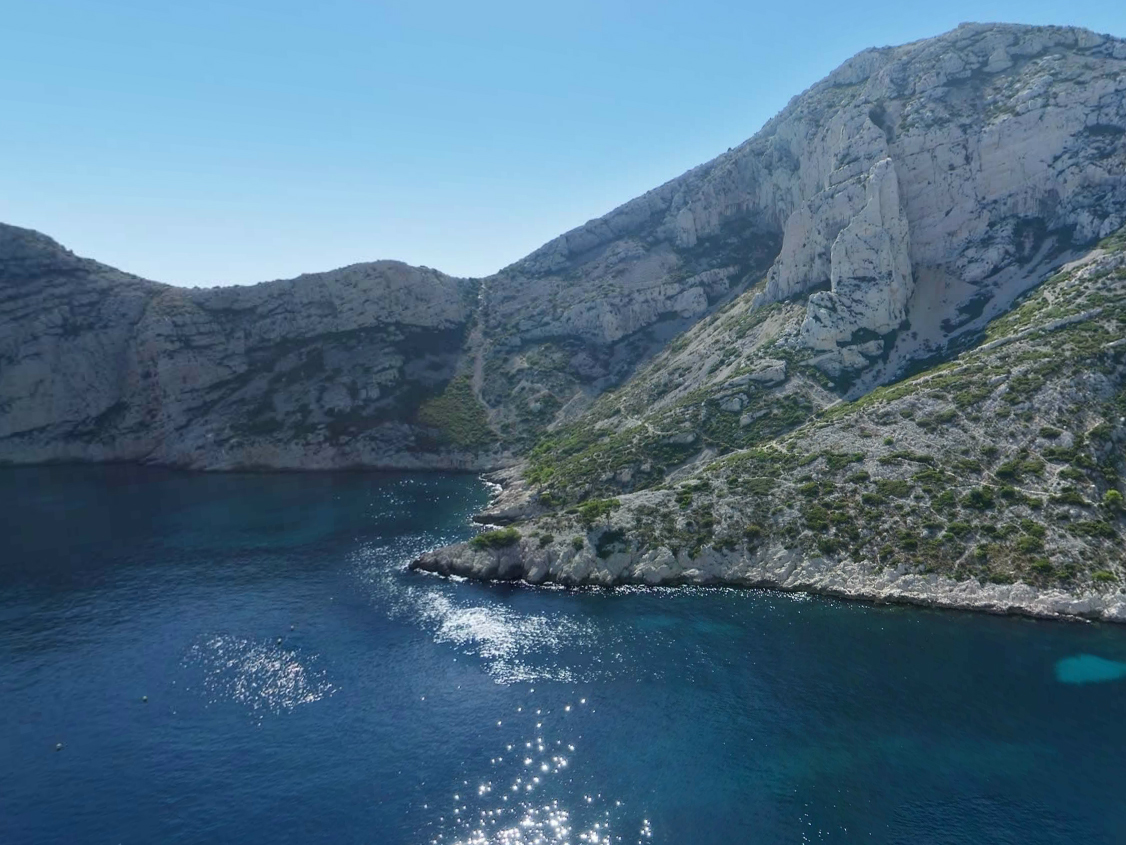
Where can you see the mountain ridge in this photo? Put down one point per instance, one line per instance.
(900, 204)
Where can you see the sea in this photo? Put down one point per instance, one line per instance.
(246, 658)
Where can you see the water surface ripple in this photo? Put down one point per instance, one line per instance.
(244, 658)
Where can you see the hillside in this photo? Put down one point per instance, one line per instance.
(873, 227)
(335, 369)
(993, 481)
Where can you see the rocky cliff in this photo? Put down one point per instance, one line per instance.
(993, 481)
(327, 370)
(880, 221)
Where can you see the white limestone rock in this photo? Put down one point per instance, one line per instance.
(871, 269)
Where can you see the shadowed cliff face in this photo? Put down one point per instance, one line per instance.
(884, 217)
(326, 370)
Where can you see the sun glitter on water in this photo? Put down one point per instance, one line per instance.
(258, 674)
(512, 803)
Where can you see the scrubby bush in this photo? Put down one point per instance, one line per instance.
(959, 529)
(980, 499)
(1095, 528)
(610, 541)
(895, 487)
(1069, 496)
(498, 539)
(458, 415)
(592, 510)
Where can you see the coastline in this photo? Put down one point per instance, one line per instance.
(776, 569)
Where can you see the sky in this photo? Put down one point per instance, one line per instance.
(234, 141)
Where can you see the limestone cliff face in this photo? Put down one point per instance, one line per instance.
(870, 270)
(901, 203)
(925, 185)
(326, 370)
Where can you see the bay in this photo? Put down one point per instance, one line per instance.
(245, 658)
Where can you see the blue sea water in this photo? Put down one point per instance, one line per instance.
(303, 687)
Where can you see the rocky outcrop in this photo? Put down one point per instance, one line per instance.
(326, 370)
(780, 570)
(970, 163)
(870, 271)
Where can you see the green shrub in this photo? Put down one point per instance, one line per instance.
(838, 461)
(816, 517)
(1103, 576)
(759, 486)
(1042, 566)
(827, 545)
(753, 533)
(498, 539)
(860, 477)
(458, 415)
(546, 540)
(1112, 500)
(959, 529)
(980, 499)
(1008, 470)
(577, 543)
(894, 487)
(1095, 528)
(945, 500)
(592, 510)
(1029, 545)
(1069, 496)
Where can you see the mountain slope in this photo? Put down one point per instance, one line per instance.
(993, 481)
(915, 192)
(880, 221)
(326, 370)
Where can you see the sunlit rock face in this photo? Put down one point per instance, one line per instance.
(970, 161)
(910, 197)
(870, 269)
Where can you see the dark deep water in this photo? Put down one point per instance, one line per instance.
(401, 708)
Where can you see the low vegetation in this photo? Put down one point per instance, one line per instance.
(1003, 464)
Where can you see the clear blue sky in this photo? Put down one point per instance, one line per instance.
(218, 141)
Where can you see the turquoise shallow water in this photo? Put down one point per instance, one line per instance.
(402, 708)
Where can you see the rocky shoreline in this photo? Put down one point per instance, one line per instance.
(776, 569)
